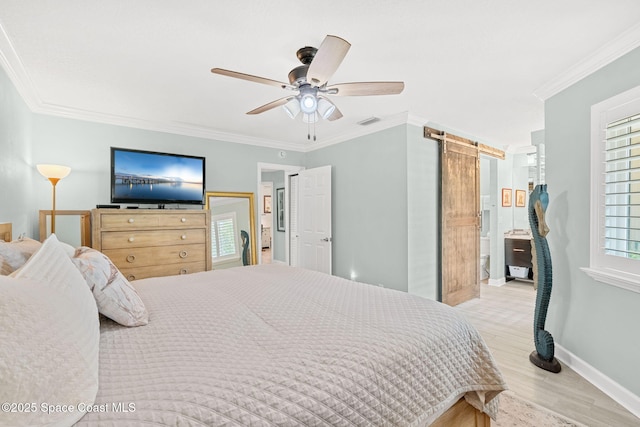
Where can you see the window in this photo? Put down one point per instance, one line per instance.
(224, 237)
(615, 189)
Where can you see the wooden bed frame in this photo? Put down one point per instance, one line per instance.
(461, 414)
(5, 231)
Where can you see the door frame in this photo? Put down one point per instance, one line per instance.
(288, 171)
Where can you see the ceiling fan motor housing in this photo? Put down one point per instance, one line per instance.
(298, 75)
(306, 54)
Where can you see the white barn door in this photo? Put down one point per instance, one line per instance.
(314, 223)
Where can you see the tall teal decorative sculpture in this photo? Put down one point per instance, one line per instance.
(542, 274)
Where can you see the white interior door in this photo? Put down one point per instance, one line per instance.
(314, 224)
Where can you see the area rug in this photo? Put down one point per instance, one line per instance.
(517, 412)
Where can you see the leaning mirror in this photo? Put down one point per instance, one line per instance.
(233, 228)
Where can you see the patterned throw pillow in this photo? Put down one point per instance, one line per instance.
(115, 296)
(14, 255)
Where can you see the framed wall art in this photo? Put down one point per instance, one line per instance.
(521, 197)
(280, 209)
(267, 204)
(506, 197)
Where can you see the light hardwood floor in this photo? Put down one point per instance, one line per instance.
(504, 317)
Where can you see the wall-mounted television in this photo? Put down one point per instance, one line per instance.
(150, 177)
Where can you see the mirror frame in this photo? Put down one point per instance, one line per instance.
(252, 217)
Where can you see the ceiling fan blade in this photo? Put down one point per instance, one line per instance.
(335, 115)
(327, 60)
(271, 105)
(251, 78)
(366, 88)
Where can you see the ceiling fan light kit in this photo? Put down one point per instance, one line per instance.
(308, 100)
(292, 107)
(310, 79)
(325, 108)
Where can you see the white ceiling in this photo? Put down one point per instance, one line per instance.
(480, 67)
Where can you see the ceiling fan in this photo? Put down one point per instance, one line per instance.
(310, 79)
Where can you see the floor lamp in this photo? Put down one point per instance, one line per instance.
(53, 173)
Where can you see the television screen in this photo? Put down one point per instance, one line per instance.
(156, 178)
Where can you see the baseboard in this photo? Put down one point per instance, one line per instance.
(624, 397)
(276, 261)
(497, 282)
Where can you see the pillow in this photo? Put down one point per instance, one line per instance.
(50, 335)
(14, 254)
(68, 249)
(115, 296)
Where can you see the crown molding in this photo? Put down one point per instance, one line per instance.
(416, 120)
(14, 68)
(608, 53)
(185, 129)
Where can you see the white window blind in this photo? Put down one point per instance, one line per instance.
(224, 237)
(622, 188)
(614, 253)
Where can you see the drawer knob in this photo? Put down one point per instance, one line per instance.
(183, 237)
(183, 254)
(131, 277)
(131, 220)
(131, 258)
(183, 219)
(183, 271)
(130, 239)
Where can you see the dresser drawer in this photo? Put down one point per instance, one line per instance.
(162, 270)
(160, 255)
(147, 238)
(152, 220)
(517, 252)
(129, 221)
(185, 219)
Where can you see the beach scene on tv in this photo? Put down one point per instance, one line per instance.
(140, 176)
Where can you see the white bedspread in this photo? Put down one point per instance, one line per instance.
(274, 345)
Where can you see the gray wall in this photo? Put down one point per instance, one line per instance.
(422, 213)
(595, 321)
(16, 178)
(369, 206)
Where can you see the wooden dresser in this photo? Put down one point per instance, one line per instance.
(148, 243)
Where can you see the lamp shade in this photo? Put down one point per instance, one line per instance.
(53, 171)
(325, 108)
(292, 107)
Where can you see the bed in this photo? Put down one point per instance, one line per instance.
(276, 345)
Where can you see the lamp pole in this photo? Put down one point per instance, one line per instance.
(54, 181)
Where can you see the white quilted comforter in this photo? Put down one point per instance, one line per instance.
(274, 345)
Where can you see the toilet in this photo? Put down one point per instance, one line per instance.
(485, 248)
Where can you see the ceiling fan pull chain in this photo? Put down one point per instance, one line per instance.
(308, 131)
(314, 131)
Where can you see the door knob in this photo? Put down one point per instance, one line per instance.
(326, 239)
